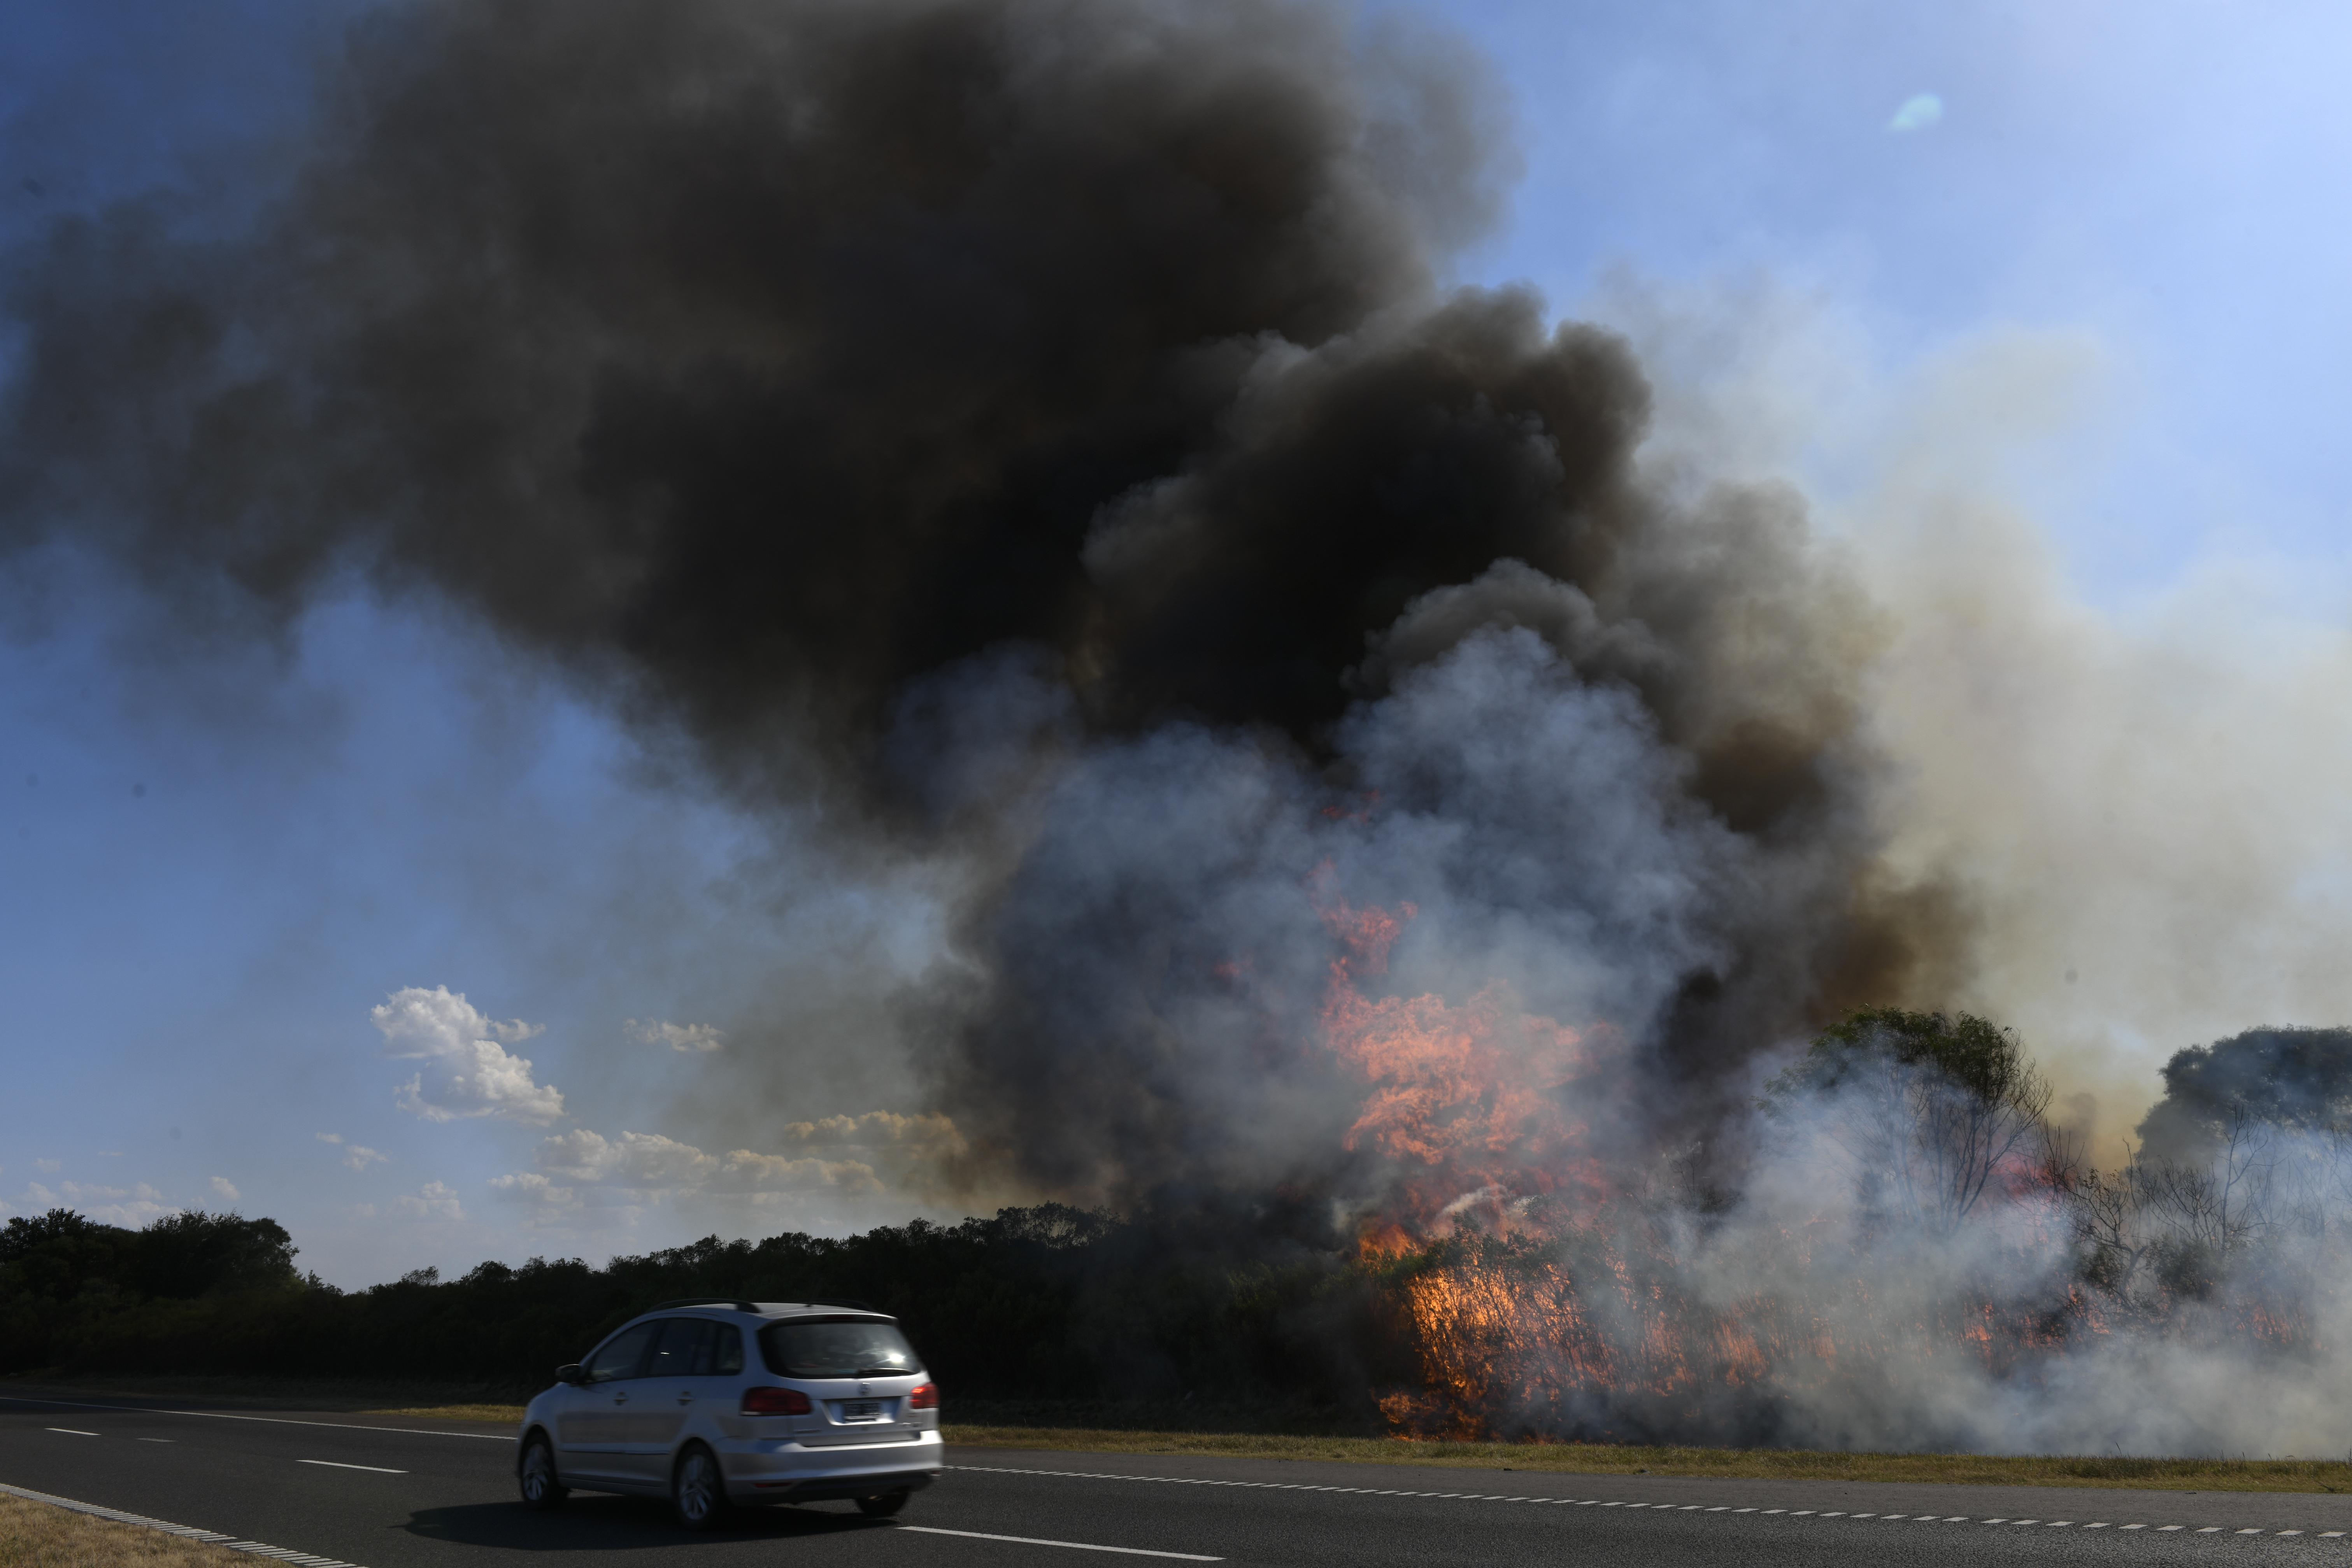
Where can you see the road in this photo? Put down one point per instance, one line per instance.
(384, 1492)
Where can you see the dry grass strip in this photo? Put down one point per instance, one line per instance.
(504, 1415)
(41, 1535)
(2267, 1475)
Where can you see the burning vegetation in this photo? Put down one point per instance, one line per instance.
(1395, 839)
(1918, 1258)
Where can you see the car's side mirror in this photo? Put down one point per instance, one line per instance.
(569, 1372)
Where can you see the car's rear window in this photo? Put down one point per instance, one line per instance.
(837, 1347)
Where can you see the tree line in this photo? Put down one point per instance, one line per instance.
(1046, 1306)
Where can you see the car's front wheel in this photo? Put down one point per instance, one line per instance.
(541, 1489)
(882, 1507)
(697, 1491)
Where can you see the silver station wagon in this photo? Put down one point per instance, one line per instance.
(710, 1403)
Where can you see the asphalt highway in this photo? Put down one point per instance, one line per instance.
(383, 1492)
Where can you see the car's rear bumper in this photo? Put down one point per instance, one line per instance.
(787, 1472)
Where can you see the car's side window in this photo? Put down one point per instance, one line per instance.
(619, 1356)
(726, 1350)
(684, 1342)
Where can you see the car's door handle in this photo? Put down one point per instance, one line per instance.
(686, 1399)
(620, 1399)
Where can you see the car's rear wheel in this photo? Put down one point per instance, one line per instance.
(697, 1491)
(882, 1507)
(541, 1489)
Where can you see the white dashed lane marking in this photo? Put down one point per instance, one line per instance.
(338, 1465)
(1071, 1545)
(1619, 1502)
(73, 1431)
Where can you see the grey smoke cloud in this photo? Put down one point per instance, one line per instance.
(1010, 423)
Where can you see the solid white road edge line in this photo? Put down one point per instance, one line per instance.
(184, 1532)
(338, 1465)
(273, 1420)
(1073, 1545)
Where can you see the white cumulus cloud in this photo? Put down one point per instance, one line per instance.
(860, 1156)
(537, 1190)
(632, 1160)
(435, 1200)
(918, 1138)
(130, 1208)
(468, 1070)
(226, 1189)
(358, 1156)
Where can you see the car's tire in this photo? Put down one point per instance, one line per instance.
(698, 1490)
(542, 1488)
(882, 1507)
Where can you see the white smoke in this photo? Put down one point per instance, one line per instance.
(2133, 791)
(2217, 1344)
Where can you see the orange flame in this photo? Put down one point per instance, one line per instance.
(1475, 1095)
(1542, 1297)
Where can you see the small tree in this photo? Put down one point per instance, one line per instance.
(1932, 1107)
(2178, 1225)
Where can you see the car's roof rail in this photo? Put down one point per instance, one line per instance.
(850, 1302)
(738, 1304)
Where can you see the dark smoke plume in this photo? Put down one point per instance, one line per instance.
(1039, 426)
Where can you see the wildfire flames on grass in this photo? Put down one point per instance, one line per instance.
(1495, 1186)
(1546, 1295)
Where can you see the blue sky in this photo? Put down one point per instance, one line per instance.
(210, 877)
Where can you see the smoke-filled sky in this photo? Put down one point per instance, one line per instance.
(448, 901)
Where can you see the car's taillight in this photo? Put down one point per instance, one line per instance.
(927, 1397)
(775, 1402)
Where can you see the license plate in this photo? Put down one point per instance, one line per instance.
(861, 1410)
